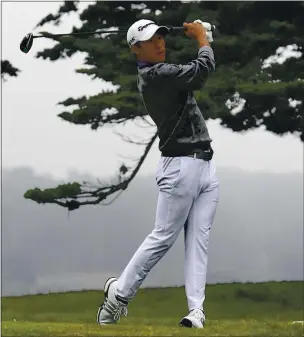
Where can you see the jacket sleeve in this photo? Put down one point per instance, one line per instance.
(191, 76)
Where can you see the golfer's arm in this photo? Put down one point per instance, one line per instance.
(202, 42)
(193, 75)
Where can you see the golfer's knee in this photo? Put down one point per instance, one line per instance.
(163, 239)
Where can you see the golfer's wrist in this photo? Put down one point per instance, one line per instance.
(202, 41)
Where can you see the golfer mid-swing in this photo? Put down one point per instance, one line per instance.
(186, 175)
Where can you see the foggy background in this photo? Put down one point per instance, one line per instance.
(257, 234)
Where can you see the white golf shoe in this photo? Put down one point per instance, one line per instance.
(113, 306)
(195, 319)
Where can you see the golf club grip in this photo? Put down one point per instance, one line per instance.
(182, 28)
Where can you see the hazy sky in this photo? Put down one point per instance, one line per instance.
(34, 136)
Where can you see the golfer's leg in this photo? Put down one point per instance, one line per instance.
(197, 232)
(172, 211)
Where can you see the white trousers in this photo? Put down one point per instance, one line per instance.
(188, 198)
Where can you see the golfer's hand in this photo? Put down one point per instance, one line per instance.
(195, 30)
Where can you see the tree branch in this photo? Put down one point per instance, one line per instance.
(129, 140)
(71, 195)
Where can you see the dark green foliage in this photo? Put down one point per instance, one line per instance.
(49, 194)
(247, 34)
(7, 69)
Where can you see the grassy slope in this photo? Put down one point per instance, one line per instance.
(266, 309)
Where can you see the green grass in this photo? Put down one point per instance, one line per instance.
(264, 309)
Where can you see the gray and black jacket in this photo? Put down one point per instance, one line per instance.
(167, 92)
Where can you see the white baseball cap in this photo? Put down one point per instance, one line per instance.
(143, 30)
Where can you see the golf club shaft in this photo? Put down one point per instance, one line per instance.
(96, 32)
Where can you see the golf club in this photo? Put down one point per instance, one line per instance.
(27, 41)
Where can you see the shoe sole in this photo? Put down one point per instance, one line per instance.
(106, 290)
(186, 323)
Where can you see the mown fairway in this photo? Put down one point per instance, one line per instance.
(265, 309)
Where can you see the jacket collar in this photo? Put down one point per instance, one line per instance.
(142, 64)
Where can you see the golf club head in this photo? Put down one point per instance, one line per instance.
(26, 43)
